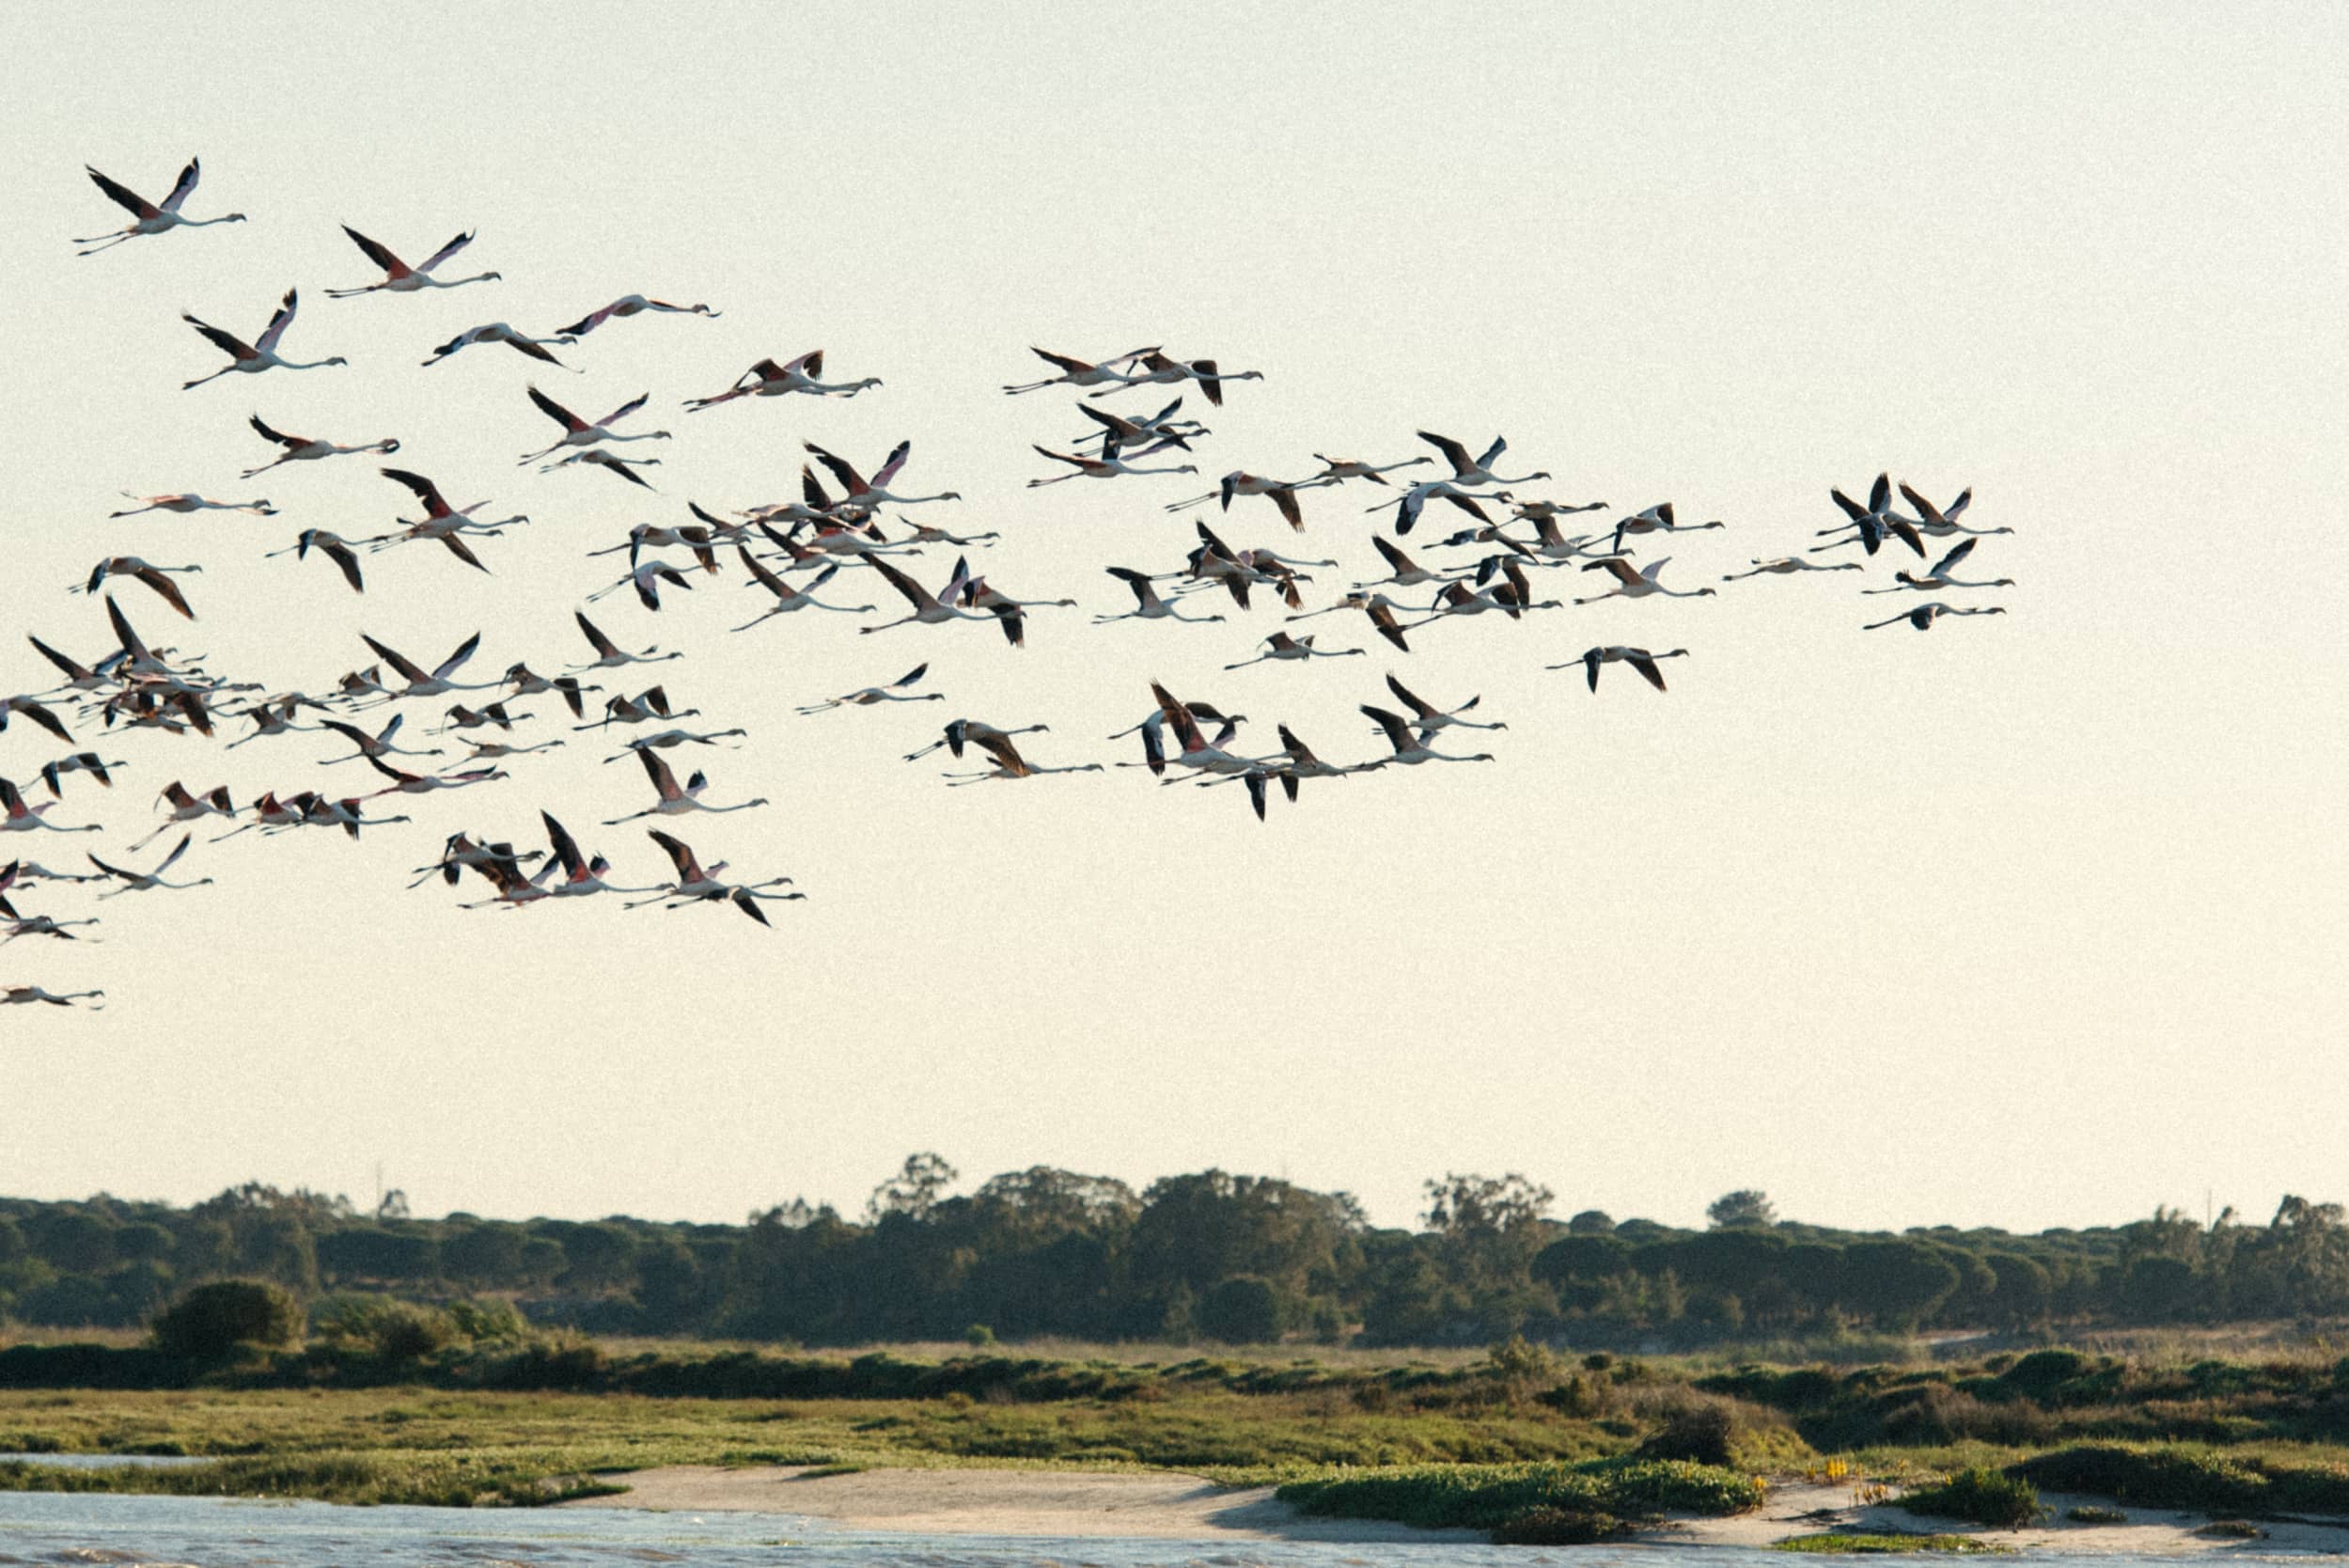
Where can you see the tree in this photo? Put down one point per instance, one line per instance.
(1746, 1206)
(1591, 1222)
(214, 1320)
(1243, 1309)
(914, 1191)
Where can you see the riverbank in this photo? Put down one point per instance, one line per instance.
(1082, 1505)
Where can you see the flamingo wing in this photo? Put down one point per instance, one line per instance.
(626, 409)
(279, 323)
(123, 196)
(185, 185)
(379, 254)
(460, 243)
(896, 460)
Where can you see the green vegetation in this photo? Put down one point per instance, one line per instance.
(1981, 1496)
(2198, 1480)
(2088, 1513)
(2232, 1530)
(1203, 1257)
(1836, 1544)
(228, 1317)
(1532, 1504)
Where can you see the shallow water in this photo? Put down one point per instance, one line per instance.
(47, 1527)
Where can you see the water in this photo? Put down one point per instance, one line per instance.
(105, 1461)
(44, 1528)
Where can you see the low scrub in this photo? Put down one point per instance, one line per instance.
(1981, 1496)
(1838, 1543)
(1493, 1496)
(2192, 1480)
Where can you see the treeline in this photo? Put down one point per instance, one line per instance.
(1206, 1255)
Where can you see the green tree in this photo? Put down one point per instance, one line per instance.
(1245, 1310)
(1748, 1206)
(215, 1320)
(914, 1191)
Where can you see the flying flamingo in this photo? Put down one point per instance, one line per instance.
(1408, 752)
(1638, 658)
(259, 355)
(1780, 565)
(136, 882)
(675, 802)
(1634, 583)
(1657, 519)
(767, 379)
(1338, 470)
(1157, 369)
(1162, 428)
(1876, 520)
(333, 546)
(152, 219)
(1940, 525)
(694, 885)
(870, 695)
(1110, 466)
(1938, 576)
(498, 332)
(1280, 645)
(437, 682)
(1428, 718)
(787, 597)
(23, 818)
(1079, 372)
(647, 580)
(610, 462)
(578, 432)
(527, 682)
(928, 611)
(186, 502)
(80, 761)
(964, 731)
(1922, 616)
(864, 495)
(651, 704)
(400, 278)
(186, 808)
(301, 449)
(582, 877)
(1411, 502)
(17, 994)
(1470, 472)
(1009, 763)
(153, 577)
(630, 305)
(667, 738)
(608, 654)
(405, 783)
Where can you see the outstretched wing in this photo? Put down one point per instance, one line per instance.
(460, 243)
(566, 848)
(378, 253)
(185, 185)
(123, 196)
(557, 411)
(278, 436)
(1454, 453)
(279, 323)
(426, 490)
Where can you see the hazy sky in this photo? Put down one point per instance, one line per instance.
(2035, 920)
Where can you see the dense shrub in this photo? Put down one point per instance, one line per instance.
(1243, 1310)
(214, 1320)
(383, 1327)
(1981, 1496)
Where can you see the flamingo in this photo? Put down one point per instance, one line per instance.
(1161, 428)
(400, 278)
(695, 886)
(1079, 372)
(406, 783)
(1110, 466)
(513, 887)
(152, 219)
(1280, 645)
(22, 818)
(692, 536)
(1338, 470)
(492, 751)
(436, 683)
(1634, 583)
(527, 682)
(18, 994)
(927, 610)
(866, 697)
(78, 677)
(1404, 572)
(80, 761)
(498, 332)
(153, 577)
(187, 808)
(462, 854)
(1875, 521)
(1195, 751)
(1009, 763)
(1941, 525)
(301, 449)
(646, 579)
(578, 432)
(1149, 606)
(1302, 764)
(1512, 597)
(262, 355)
(1428, 718)
(272, 718)
(675, 802)
(1411, 502)
(1159, 370)
(668, 738)
(582, 877)
(608, 654)
(40, 925)
(1638, 658)
(1281, 493)
(441, 521)
(185, 501)
(1468, 471)
(962, 731)
(863, 495)
(461, 717)
(137, 881)
(610, 462)
(1408, 752)
(630, 305)
(651, 704)
(1780, 565)
(334, 547)
(767, 379)
(344, 814)
(1938, 576)
(1657, 519)
(1923, 616)
(787, 597)
(34, 709)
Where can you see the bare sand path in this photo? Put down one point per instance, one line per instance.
(1163, 1506)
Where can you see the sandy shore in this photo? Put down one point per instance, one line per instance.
(1162, 1506)
(1167, 1506)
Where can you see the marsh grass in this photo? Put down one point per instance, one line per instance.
(1835, 1544)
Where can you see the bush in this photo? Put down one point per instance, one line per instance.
(383, 1327)
(487, 1320)
(1558, 1527)
(1241, 1311)
(213, 1321)
(978, 1334)
(2041, 1372)
(2088, 1513)
(1981, 1496)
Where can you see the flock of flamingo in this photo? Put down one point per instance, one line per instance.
(794, 552)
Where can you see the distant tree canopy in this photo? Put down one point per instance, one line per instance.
(1212, 1255)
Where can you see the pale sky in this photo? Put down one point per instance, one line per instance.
(2030, 921)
